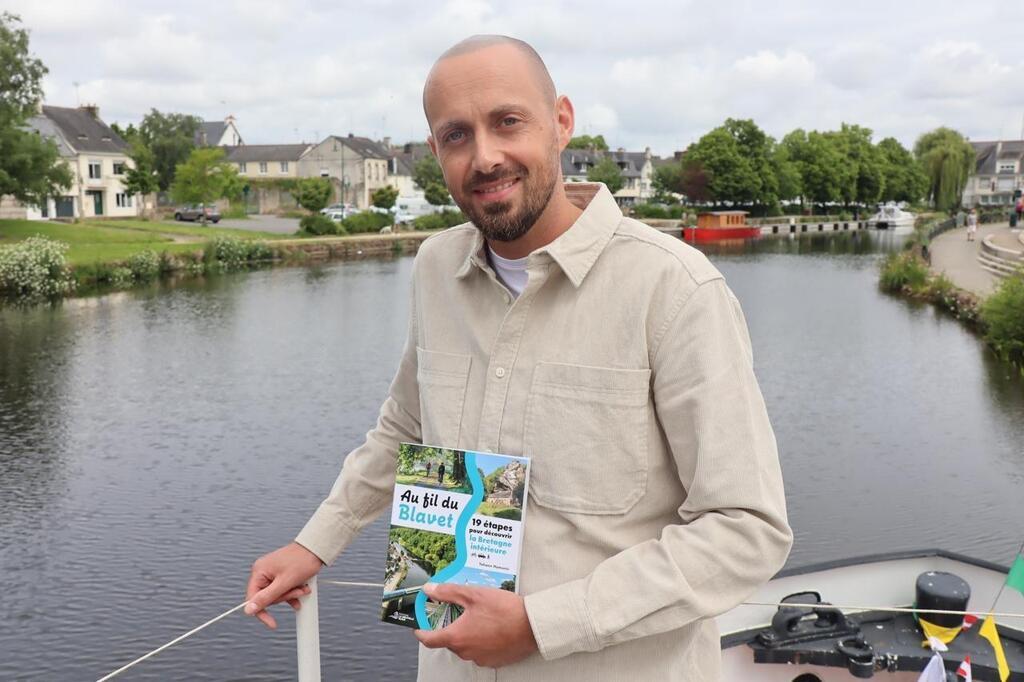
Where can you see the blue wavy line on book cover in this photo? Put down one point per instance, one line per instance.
(461, 551)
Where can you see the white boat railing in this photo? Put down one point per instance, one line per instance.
(307, 635)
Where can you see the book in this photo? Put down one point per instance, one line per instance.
(456, 517)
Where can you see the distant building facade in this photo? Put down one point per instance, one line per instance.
(359, 164)
(98, 159)
(998, 173)
(267, 160)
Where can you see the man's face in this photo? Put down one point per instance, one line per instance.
(496, 137)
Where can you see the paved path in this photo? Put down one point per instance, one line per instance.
(263, 223)
(953, 255)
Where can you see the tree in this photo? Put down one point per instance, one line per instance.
(695, 182)
(312, 194)
(818, 161)
(666, 182)
(588, 142)
(437, 195)
(904, 178)
(204, 178)
(141, 179)
(171, 138)
(429, 177)
(860, 175)
(947, 160)
(731, 176)
(608, 172)
(384, 197)
(30, 167)
(787, 174)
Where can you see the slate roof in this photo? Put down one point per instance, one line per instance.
(83, 132)
(410, 155)
(254, 153)
(988, 153)
(209, 133)
(364, 146)
(48, 130)
(574, 160)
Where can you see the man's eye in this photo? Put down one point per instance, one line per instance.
(454, 136)
(509, 121)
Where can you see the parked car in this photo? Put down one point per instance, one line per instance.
(195, 213)
(344, 209)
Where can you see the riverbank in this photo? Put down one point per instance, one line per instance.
(950, 272)
(53, 260)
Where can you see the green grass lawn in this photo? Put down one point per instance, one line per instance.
(116, 240)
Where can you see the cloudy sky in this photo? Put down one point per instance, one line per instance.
(656, 74)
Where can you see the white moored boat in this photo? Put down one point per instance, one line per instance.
(892, 217)
(829, 643)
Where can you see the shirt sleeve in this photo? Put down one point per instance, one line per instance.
(365, 485)
(732, 535)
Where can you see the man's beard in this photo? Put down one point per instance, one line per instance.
(497, 221)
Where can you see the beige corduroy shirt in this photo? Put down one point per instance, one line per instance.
(624, 371)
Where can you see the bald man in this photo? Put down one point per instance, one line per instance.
(613, 356)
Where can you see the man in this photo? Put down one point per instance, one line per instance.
(610, 354)
(440, 473)
(972, 225)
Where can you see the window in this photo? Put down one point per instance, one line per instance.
(241, 167)
(263, 167)
(119, 168)
(123, 200)
(1007, 167)
(94, 170)
(284, 166)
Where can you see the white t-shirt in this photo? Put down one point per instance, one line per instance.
(511, 272)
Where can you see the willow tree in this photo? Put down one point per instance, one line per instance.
(947, 160)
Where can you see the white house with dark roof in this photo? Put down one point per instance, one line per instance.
(218, 134)
(98, 158)
(998, 173)
(402, 165)
(267, 160)
(637, 171)
(359, 164)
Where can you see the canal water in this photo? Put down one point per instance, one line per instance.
(153, 443)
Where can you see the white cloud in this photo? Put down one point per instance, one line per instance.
(646, 73)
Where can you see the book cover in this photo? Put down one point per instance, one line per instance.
(456, 517)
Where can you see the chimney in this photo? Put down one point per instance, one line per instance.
(387, 143)
(92, 109)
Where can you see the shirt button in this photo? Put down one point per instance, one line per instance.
(500, 372)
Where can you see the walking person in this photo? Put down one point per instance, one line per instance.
(972, 225)
(1020, 209)
(429, 464)
(440, 473)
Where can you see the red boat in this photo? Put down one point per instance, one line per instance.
(719, 225)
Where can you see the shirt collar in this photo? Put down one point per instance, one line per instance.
(575, 250)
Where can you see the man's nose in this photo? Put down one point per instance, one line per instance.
(487, 153)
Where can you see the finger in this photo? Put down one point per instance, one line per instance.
(453, 594)
(257, 581)
(295, 604)
(434, 639)
(267, 619)
(293, 595)
(270, 594)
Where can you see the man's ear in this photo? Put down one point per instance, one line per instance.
(432, 145)
(565, 120)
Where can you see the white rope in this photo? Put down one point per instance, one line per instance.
(171, 643)
(154, 652)
(890, 609)
(344, 583)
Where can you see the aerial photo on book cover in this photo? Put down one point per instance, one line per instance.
(456, 517)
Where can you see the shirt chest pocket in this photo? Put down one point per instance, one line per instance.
(442, 379)
(586, 434)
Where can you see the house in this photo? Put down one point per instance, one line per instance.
(637, 171)
(266, 160)
(359, 164)
(218, 134)
(998, 173)
(97, 157)
(403, 165)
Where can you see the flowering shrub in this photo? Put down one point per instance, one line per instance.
(35, 267)
(144, 265)
(231, 252)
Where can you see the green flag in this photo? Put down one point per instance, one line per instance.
(1015, 578)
